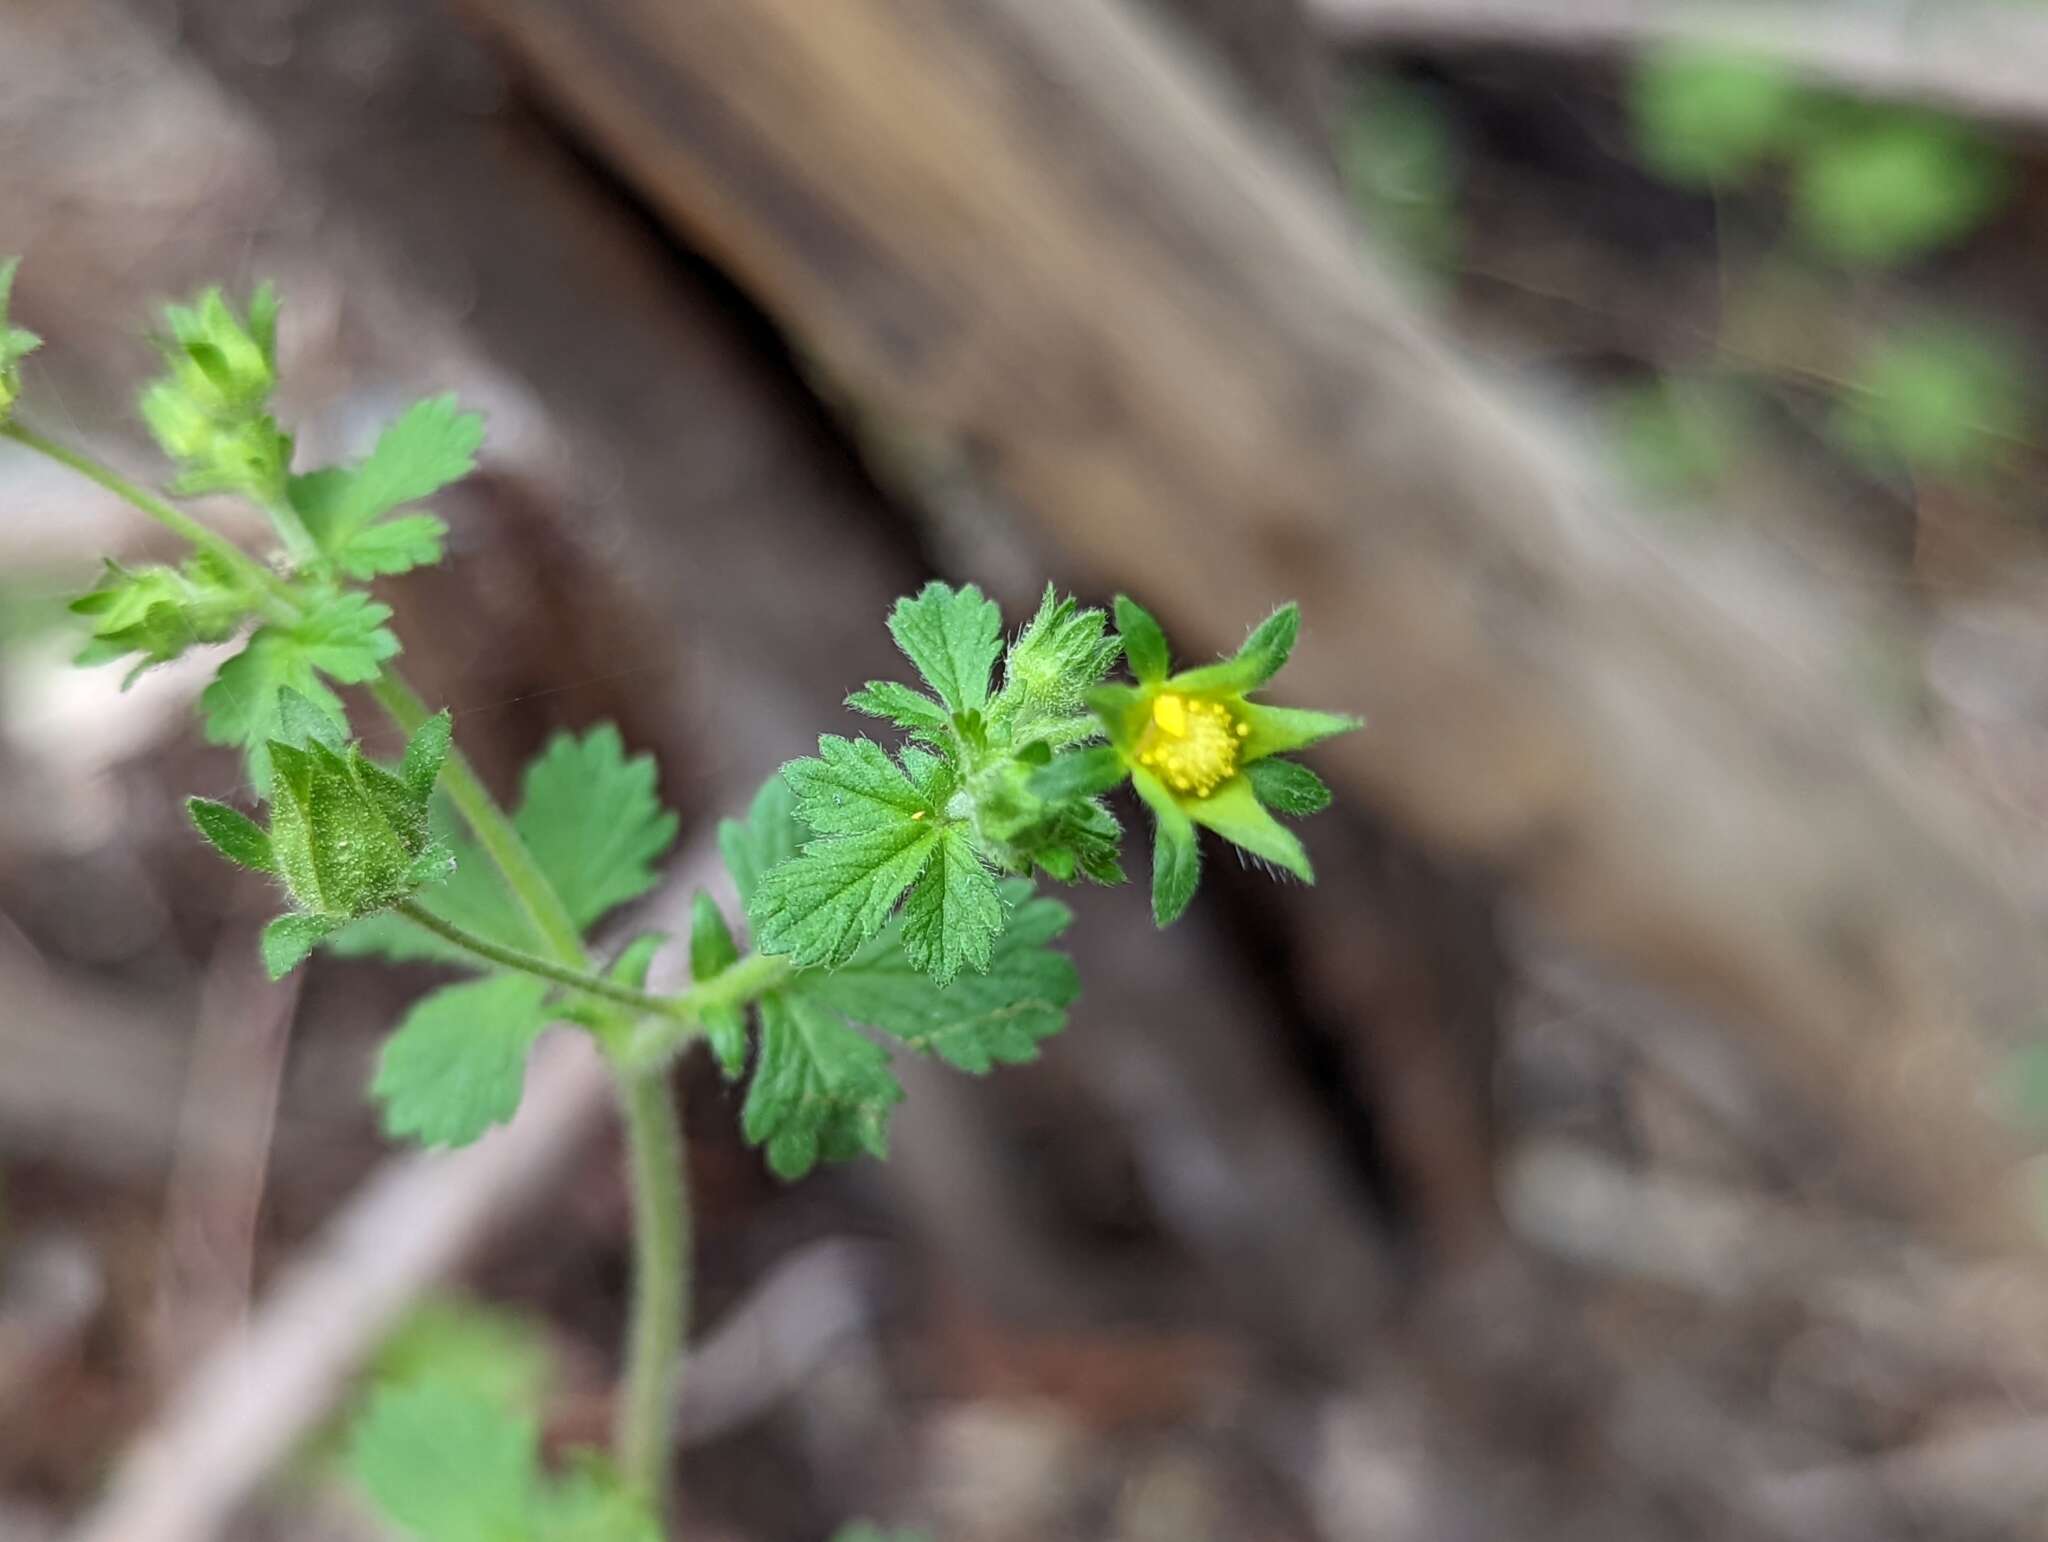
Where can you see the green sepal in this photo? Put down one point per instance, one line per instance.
(1288, 787)
(288, 939)
(1176, 855)
(636, 959)
(712, 952)
(1235, 814)
(234, 835)
(426, 752)
(1081, 774)
(1269, 646)
(1276, 730)
(1144, 641)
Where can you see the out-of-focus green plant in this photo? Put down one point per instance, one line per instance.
(1673, 437)
(1872, 187)
(1399, 156)
(1942, 398)
(1707, 115)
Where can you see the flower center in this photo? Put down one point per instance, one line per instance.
(1193, 745)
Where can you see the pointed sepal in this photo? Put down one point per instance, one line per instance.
(234, 835)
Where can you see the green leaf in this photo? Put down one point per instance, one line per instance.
(431, 445)
(461, 1342)
(288, 939)
(234, 835)
(593, 819)
(954, 913)
(394, 546)
(953, 637)
(1144, 642)
(838, 892)
(979, 1020)
(852, 786)
(344, 638)
(446, 1463)
(1881, 189)
(764, 840)
(1706, 115)
(821, 1091)
(159, 612)
(590, 1504)
(1288, 787)
(907, 709)
(1945, 399)
(1176, 856)
(712, 951)
(457, 1064)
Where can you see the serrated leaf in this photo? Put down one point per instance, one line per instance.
(287, 940)
(344, 638)
(431, 445)
(852, 786)
(838, 892)
(954, 913)
(1288, 787)
(821, 1091)
(448, 1464)
(457, 1063)
(953, 637)
(593, 819)
(394, 546)
(908, 709)
(979, 1020)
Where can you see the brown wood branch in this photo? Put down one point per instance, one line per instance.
(1983, 58)
(1029, 224)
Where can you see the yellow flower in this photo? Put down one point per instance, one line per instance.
(1200, 753)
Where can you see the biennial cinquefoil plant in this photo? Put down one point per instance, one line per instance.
(889, 890)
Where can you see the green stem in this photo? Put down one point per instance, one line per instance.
(656, 1042)
(653, 1130)
(501, 841)
(279, 602)
(643, 1440)
(577, 979)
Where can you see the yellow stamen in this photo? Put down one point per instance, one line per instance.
(1192, 743)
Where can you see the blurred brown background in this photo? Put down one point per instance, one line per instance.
(1627, 1138)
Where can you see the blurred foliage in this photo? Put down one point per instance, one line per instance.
(1869, 185)
(1398, 152)
(1705, 115)
(1675, 437)
(1944, 398)
(1881, 186)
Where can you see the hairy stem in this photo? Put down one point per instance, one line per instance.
(658, 1041)
(278, 601)
(643, 1440)
(573, 976)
